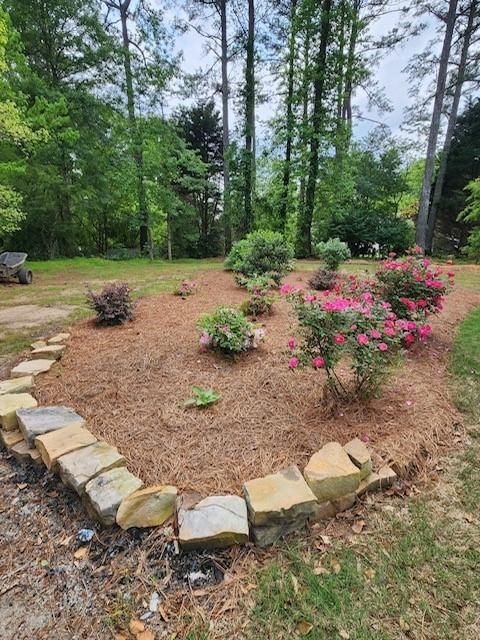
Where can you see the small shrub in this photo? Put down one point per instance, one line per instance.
(228, 331)
(261, 253)
(333, 252)
(323, 280)
(262, 282)
(260, 303)
(202, 397)
(113, 305)
(185, 289)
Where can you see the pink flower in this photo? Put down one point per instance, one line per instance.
(339, 339)
(421, 303)
(318, 362)
(362, 338)
(205, 339)
(409, 338)
(287, 288)
(309, 297)
(382, 346)
(293, 363)
(411, 325)
(389, 331)
(292, 343)
(451, 274)
(375, 334)
(424, 331)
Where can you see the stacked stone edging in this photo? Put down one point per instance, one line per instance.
(272, 506)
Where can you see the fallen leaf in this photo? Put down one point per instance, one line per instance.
(23, 485)
(344, 634)
(404, 625)
(318, 570)
(325, 539)
(145, 635)
(369, 573)
(469, 518)
(303, 628)
(136, 626)
(120, 636)
(358, 526)
(80, 553)
(66, 541)
(294, 583)
(336, 566)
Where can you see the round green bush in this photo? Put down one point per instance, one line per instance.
(333, 252)
(261, 253)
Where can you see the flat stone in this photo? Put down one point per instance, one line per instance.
(331, 474)
(387, 477)
(328, 510)
(38, 344)
(278, 504)
(23, 453)
(36, 422)
(9, 403)
(16, 385)
(360, 456)
(57, 443)
(104, 493)
(376, 481)
(31, 368)
(148, 507)
(212, 523)
(60, 338)
(49, 352)
(79, 467)
(10, 438)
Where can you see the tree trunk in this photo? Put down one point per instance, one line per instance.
(347, 102)
(135, 133)
(227, 219)
(304, 231)
(283, 211)
(250, 121)
(169, 237)
(303, 132)
(422, 221)
(452, 121)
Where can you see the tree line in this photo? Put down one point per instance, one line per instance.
(109, 147)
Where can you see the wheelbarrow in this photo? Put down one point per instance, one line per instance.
(12, 266)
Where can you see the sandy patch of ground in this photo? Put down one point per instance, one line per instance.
(25, 316)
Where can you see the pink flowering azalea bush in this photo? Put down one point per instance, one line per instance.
(185, 289)
(228, 331)
(261, 298)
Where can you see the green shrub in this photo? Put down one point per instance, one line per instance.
(333, 252)
(261, 253)
(228, 331)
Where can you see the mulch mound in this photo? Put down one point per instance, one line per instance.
(130, 382)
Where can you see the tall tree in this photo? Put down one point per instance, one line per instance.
(227, 220)
(249, 198)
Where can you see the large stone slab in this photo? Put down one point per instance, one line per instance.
(10, 438)
(278, 504)
(81, 466)
(16, 385)
(23, 453)
(212, 523)
(331, 474)
(38, 344)
(57, 443)
(31, 368)
(104, 493)
(49, 352)
(149, 507)
(360, 456)
(36, 422)
(9, 403)
(60, 338)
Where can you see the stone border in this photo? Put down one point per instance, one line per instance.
(271, 507)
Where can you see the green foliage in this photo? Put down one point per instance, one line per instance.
(202, 397)
(471, 215)
(228, 331)
(261, 253)
(333, 252)
(261, 298)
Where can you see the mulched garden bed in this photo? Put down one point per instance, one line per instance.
(130, 382)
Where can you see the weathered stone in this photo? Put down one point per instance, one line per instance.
(79, 467)
(23, 453)
(50, 352)
(57, 443)
(10, 438)
(328, 510)
(38, 344)
(278, 504)
(360, 456)
(376, 481)
(16, 385)
(387, 477)
(60, 338)
(104, 493)
(331, 474)
(344, 503)
(31, 368)
(212, 523)
(148, 507)
(9, 403)
(36, 422)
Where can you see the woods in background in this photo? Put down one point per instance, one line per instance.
(108, 146)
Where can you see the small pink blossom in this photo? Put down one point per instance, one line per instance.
(292, 343)
(451, 274)
(382, 346)
(362, 338)
(375, 334)
(409, 338)
(309, 297)
(293, 363)
(318, 362)
(389, 331)
(339, 338)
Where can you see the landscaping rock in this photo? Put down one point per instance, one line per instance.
(38, 344)
(60, 338)
(9, 403)
(360, 456)
(148, 507)
(214, 522)
(387, 477)
(278, 504)
(57, 443)
(16, 385)
(104, 493)
(23, 453)
(10, 438)
(376, 481)
(36, 422)
(79, 467)
(331, 474)
(31, 368)
(328, 510)
(50, 352)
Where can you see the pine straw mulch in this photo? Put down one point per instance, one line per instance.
(129, 382)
